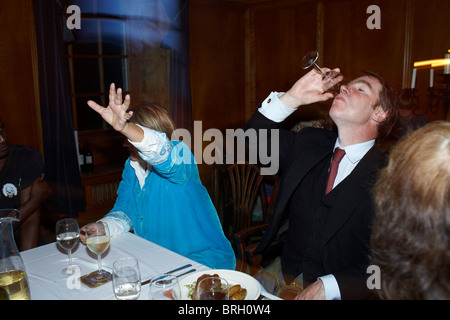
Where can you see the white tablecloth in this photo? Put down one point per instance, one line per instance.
(44, 264)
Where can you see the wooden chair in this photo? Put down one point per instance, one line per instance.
(221, 196)
(246, 184)
(100, 192)
(245, 181)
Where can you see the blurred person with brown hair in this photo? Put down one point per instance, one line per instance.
(410, 239)
(408, 118)
(161, 197)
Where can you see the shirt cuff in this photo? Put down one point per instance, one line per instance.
(117, 222)
(150, 142)
(331, 286)
(273, 109)
(154, 148)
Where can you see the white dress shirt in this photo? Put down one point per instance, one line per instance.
(273, 109)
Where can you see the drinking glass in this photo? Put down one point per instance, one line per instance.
(161, 286)
(126, 279)
(97, 240)
(67, 236)
(288, 292)
(331, 80)
(212, 288)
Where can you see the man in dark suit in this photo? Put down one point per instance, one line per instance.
(327, 239)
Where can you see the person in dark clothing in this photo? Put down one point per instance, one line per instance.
(23, 187)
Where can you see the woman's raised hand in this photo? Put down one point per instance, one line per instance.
(116, 112)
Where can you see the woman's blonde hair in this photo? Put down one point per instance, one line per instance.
(153, 116)
(411, 232)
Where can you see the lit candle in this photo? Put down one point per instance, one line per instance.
(431, 77)
(413, 80)
(447, 65)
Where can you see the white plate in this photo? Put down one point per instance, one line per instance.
(233, 277)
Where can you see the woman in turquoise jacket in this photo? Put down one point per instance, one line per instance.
(161, 197)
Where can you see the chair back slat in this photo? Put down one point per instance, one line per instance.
(245, 183)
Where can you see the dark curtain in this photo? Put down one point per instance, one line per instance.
(178, 41)
(60, 154)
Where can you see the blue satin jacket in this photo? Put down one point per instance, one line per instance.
(173, 209)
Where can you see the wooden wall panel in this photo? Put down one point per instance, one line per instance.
(259, 44)
(19, 98)
(217, 61)
(217, 64)
(350, 45)
(283, 34)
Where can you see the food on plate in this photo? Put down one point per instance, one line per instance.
(205, 284)
(235, 292)
(234, 289)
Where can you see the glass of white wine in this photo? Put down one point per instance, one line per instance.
(97, 240)
(67, 236)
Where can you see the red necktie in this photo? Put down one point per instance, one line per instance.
(337, 157)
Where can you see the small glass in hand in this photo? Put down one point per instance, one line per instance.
(331, 80)
(212, 288)
(97, 240)
(126, 279)
(67, 236)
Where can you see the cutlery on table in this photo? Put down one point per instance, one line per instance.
(172, 271)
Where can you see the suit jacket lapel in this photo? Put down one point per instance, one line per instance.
(354, 189)
(306, 161)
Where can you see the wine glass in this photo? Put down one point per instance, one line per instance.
(331, 80)
(67, 236)
(97, 240)
(126, 279)
(161, 286)
(212, 288)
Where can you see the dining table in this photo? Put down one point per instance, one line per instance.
(43, 266)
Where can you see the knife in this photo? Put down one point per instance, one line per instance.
(180, 275)
(180, 268)
(172, 271)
